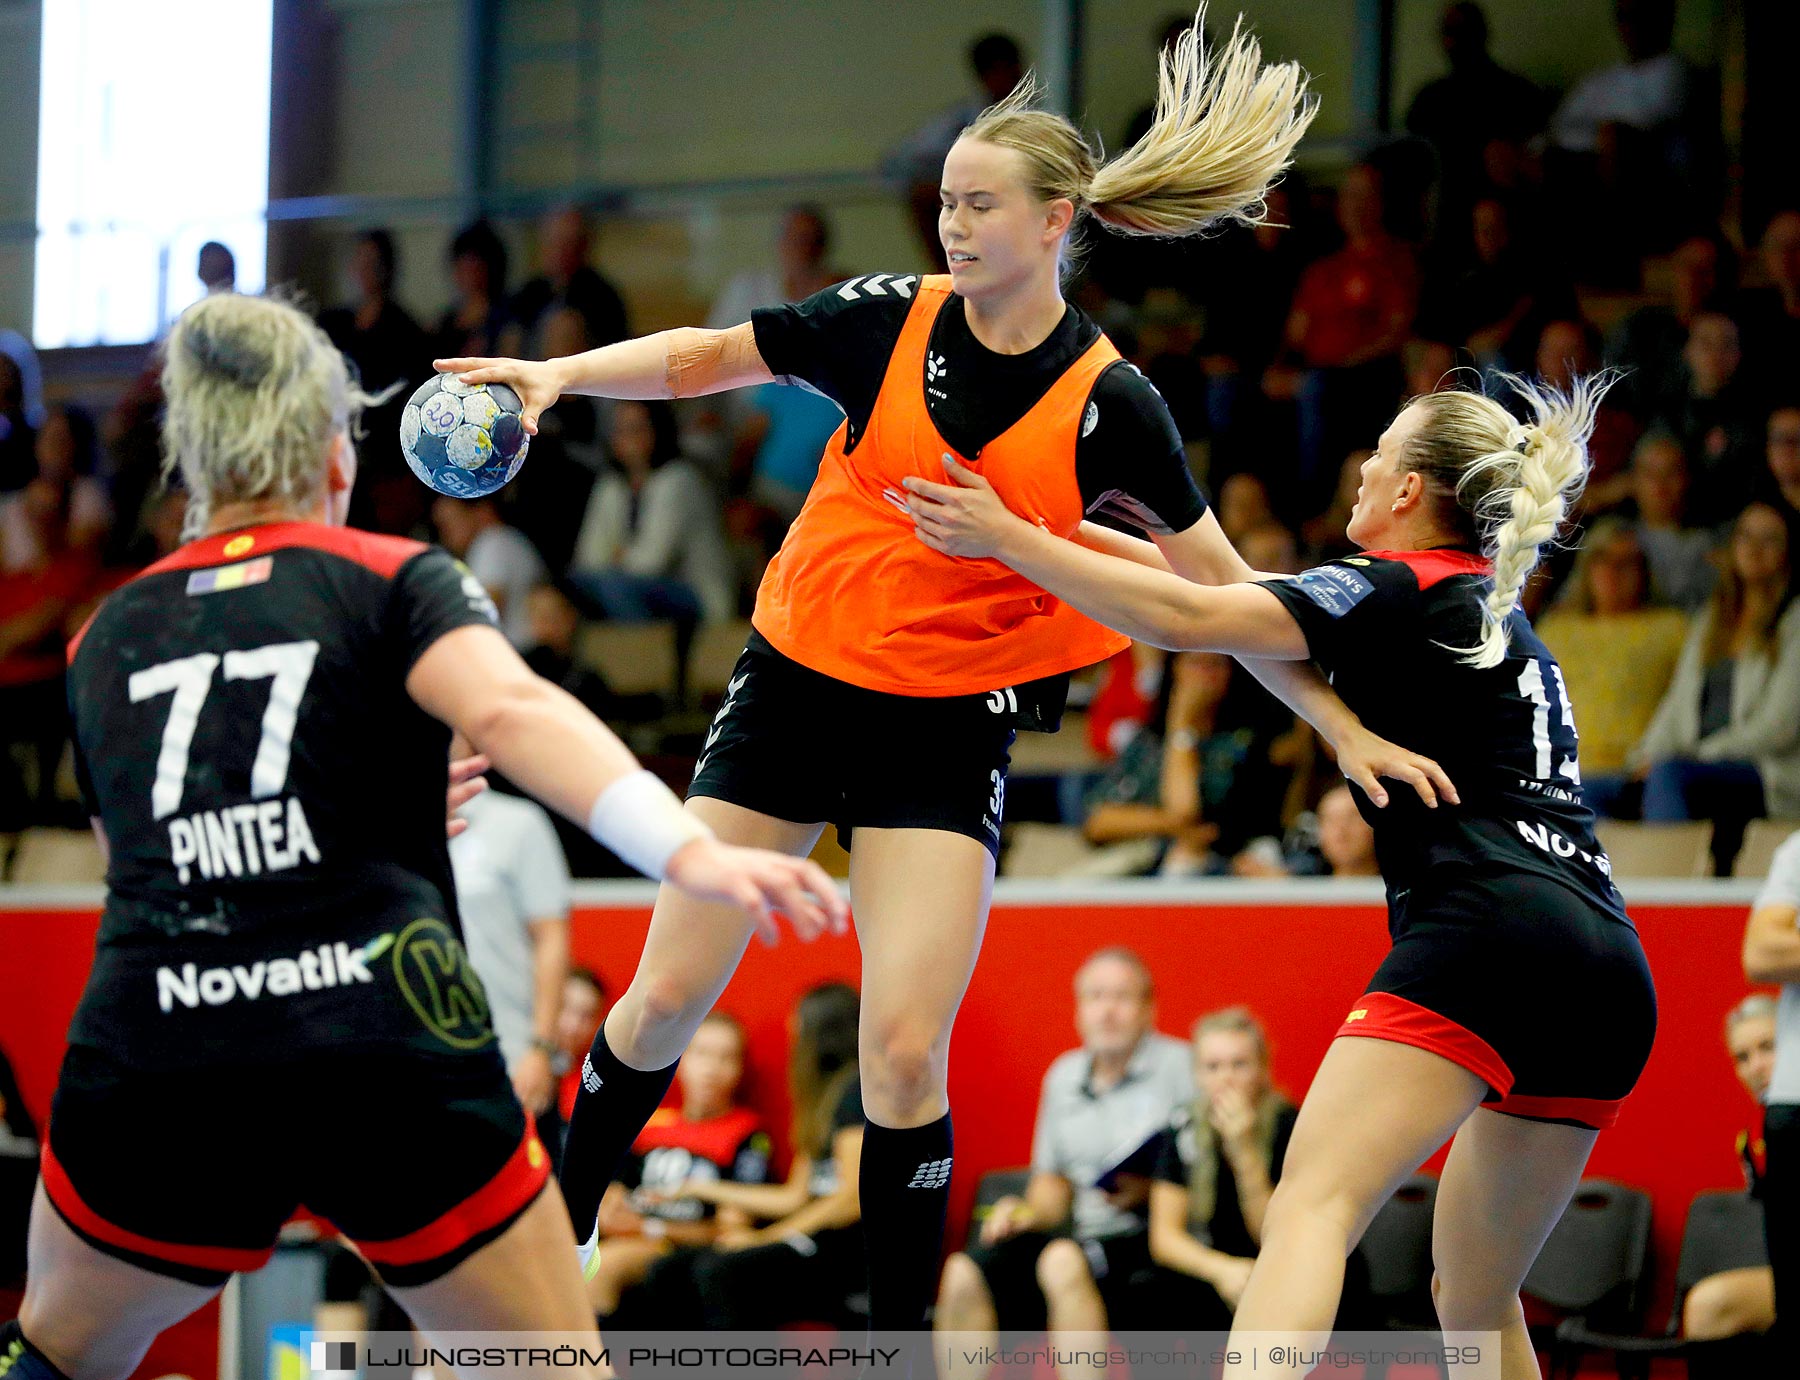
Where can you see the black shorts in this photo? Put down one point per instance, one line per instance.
(794, 744)
(1523, 983)
(1121, 1267)
(419, 1160)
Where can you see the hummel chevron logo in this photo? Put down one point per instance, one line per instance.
(931, 1174)
(873, 285)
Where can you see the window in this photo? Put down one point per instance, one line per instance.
(153, 138)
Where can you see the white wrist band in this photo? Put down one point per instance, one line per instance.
(640, 819)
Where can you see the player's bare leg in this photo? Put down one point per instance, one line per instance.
(1504, 1186)
(921, 901)
(91, 1315)
(690, 953)
(1375, 1111)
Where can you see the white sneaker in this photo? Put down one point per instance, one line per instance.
(588, 1252)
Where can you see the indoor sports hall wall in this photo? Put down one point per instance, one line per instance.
(1296, 954)
(661, 92)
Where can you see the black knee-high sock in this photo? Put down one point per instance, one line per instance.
(905, 1184)
(614, 1103)
(20, 1360)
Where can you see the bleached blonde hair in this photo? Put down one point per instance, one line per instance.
(1504, 485)
(1224, 130)
(255, 392)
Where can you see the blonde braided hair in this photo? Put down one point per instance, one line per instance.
(1505, 485)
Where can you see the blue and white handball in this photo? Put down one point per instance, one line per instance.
(464, 440)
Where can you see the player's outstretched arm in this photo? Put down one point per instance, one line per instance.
(1116, 581)
(543, 738)
(683, 363)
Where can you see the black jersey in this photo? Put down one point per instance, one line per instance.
(273, 799)
(1129, 461)
(1386, 626)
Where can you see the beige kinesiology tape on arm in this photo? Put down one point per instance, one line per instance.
(697, 362)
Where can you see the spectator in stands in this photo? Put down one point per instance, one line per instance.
(652, 544)
(1346, 842)
(1499, 303)
(1772, 954)
(389, 350)
(916, 163)
(1244, 505)
(18, 440)
(1781, 444)
(499, 556)
(805, 1264)
(1103, 1107)
(1271, 548)
(1649, 343)
(801, 268)
(1475, 104)
(781, 440)
(1679, 554)
(1724, 743)
(1633, 143)
(1567, 349)
(656, 1204)
(547, 500)
(1352, 312)
(1202, 787)
(31, 374)
(1736, 1302)
(1771, 316)
(37, 606)
(476, 318)
(1717, 418)
(552, 622)
(1325, 539)
(1247, 282)
(67, 454)
(1605, 619)
(584, 1000)
(567, 280)
(1216, 1165)
(512, 891)
(216, 268)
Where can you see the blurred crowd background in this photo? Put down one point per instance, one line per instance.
(1504, 223)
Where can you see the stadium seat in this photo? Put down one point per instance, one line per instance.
(716, 649)
(995, 1185)
(1724, 1231)
(1761, 838)
(1657, 850)
(634, 658)
(1051, 754)
(46, 857)
(1397, 1248)
(1591, 1269)
(1044, 850)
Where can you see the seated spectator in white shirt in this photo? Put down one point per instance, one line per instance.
(499, 556)
(1070, 1254)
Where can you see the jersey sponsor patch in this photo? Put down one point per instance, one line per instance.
(1334, 589)
(222, 577)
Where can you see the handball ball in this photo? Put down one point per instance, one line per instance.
(463, 439)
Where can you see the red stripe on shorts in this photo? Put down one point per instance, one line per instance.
(1596, 1113)
(67, 1201)
(1383, 1016)
(517, 1183)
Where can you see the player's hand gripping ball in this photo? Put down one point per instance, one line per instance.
(464, 440)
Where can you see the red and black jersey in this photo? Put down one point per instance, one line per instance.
(273, 799)
(1388, 627)
(670, 1150)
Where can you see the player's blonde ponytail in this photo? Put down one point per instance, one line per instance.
(1224, 130)
(255, 392)
(1510, 483)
